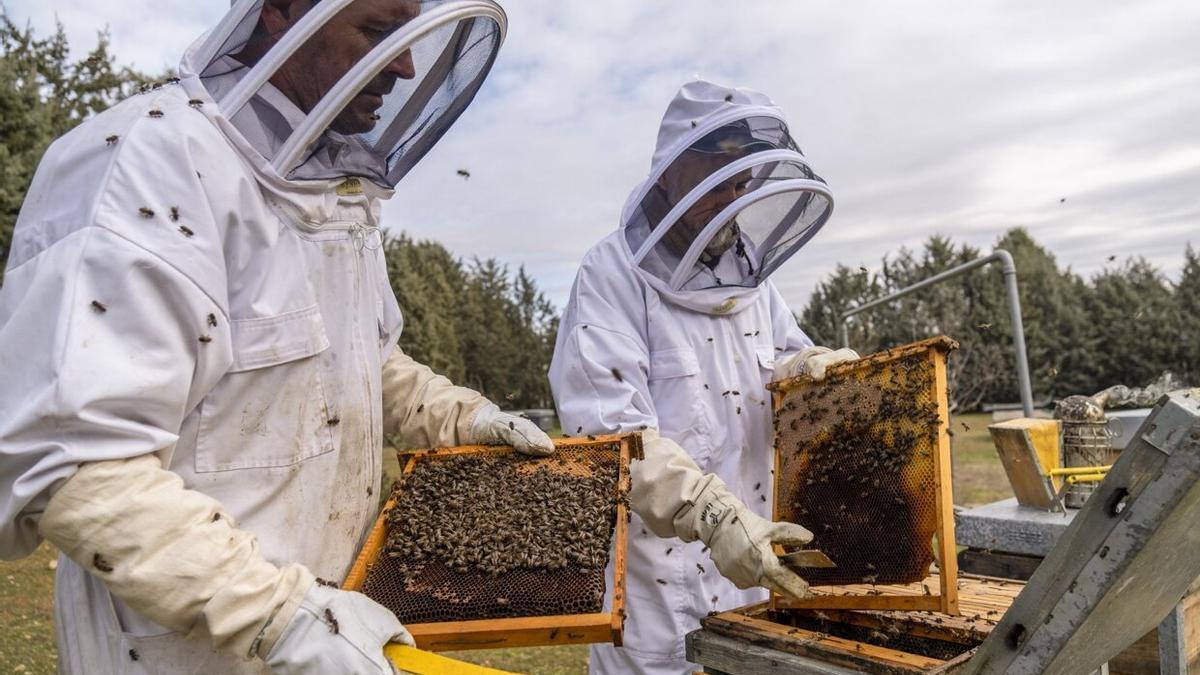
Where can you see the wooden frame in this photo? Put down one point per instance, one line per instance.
(522, 631)
(944, 549)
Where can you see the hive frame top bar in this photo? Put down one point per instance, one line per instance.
(940, 343)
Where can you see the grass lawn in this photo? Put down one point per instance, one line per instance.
(26, 586)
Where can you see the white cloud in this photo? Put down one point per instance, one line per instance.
(961, 119)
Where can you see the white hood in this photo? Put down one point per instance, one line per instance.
(728, 199)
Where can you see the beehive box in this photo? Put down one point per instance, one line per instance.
(518, 579)
(871, 641)
(862, 459)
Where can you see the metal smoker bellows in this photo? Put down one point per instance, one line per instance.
(449, 607)
(862, 460)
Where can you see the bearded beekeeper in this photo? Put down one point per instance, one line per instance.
(197, 341)
(673, 327)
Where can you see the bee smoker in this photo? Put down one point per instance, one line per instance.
(1085, 442)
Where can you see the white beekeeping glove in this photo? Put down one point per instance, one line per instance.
(674, 498)
(812, 362)
(493, 427)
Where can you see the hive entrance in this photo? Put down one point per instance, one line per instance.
(862, 460)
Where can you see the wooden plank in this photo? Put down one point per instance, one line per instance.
(944, 545)
(1028, 450)
(829, 649)
(621, 537)
(720, 654)
(518, 632)
(883, 601)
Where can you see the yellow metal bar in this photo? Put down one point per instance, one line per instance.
(1086, 478)
(418, 662)
(1075, 470)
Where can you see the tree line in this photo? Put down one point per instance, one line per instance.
(1124, 325)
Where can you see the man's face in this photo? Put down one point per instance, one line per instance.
(334, 49)
(681, 177)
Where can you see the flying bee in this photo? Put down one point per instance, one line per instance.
(99, 307)
(155, 113)
(329, 619)
(112, 140)
(146, 212)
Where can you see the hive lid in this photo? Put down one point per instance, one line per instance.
(1123, 563)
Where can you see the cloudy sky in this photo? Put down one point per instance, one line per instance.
(958, 118)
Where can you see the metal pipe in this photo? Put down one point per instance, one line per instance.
(1014, 308)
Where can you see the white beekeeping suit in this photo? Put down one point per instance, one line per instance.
(197, 341)
(672, 327)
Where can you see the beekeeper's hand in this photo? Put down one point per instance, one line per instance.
(673, 497)
(813, 362)
(739, 543)
(336, 631)
(492, 427)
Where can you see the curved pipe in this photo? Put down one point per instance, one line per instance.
(1014, 308)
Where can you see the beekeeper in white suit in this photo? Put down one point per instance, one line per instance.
(673, 327)
(194, 324)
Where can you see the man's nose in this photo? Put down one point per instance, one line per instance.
(403, 67)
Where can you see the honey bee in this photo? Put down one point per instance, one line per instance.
(661, 582)
(186, 231)
(212, 320)
(195, 102)
(329, 619)
(99, 307)
(617, 374)
(204, 339)
(112, 140)
(146, 212)
(155, 113)
(174, 214)
(101, 564)
(466, 175)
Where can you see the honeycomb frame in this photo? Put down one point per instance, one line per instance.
(520, 631)
(918, 498)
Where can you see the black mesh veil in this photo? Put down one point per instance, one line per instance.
(728, 209)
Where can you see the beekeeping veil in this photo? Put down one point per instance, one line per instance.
(729, 197)
(328, 89)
